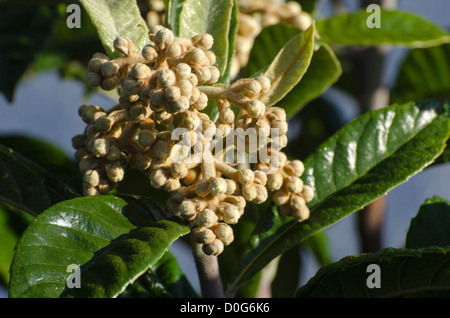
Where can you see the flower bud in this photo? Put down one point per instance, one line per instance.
(124, 45)
(249, 192)
(78, 141)
(252, 89)
(196, 57)
(99, 147)
(178, 170)
(294, 185)
(173, 50)
(207, 218)
(255, 108)
(166, 78)
(203, 235)
(274, 181)
(213, 248)
(204, 41)
(172, 184)
(113, 154)
(141, 161)
(265, 84)
(180, 105)
(260, 177)
(181, 70)
(187, 210)
(261, 194)
(300, 214)
(307, 193)
(146, 138)
(245, 176)
(230, 213)
(203, 74)
(224, 232)
(115, 172)
(217, 186)
(202, 102)
(110, 69)
(140, 71)
(95, 65)
(149, 53)
(160, 149)
(172, 93)
(163, 38)
(215, 75)
(93, 79)
(280, 197)
(91, 178)
(185, 87)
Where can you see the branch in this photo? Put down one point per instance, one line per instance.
(208, 273)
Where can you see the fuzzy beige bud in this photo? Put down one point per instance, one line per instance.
(224, 232)
(203, 235)
(213, 248)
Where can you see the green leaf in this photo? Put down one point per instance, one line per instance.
(117, 18)
(46, 155)
(98, 233)
(430, 226)
(168, 277)
(425, 73)
(397, 28)
(319, 246)
(234, 26)
(213, 17)
(173, 11)
(127, 257)
(28, 187)
(8, 239)
(289, 66)
(23, 33)
(323, 71)
(358, 164)
(403, 273)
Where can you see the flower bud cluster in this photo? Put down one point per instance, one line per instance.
(98, 153)
(166, 86)
(288, 190)
(211, 206)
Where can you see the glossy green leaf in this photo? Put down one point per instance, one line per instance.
(403, 273)
(358, 164)
(98, 233)
(396, 28)
(117, 18)
(425, 73)
(323, 71)
(28, 187)
(289, 66)
(430, 226)
(209, 16)
(24, 31)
